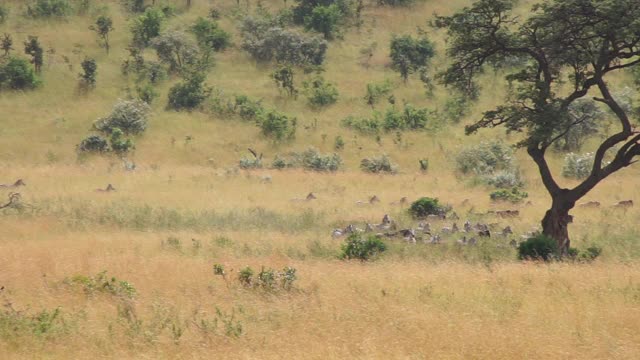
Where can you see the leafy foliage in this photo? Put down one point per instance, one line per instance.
(266, 41)
(175, 49)
(147, 26)
(17, 74)
(33, 48)
(514, 195)
(130, 116)
(49, 8)
(283, 77)
(94, 144)
(325, 20)
(539, 247)
(103, 27)
(4, 13)
(89, 73)
(320, 93)
(377, 91)
(101, 283)
(408, 55)
(276, 125)
(356, 247)
(485, 158)
(210, 36)
(410, 118)
(425, 206)
(378, 164)
(189, 94)
(267, 279)
(310, 159)
(577, 166)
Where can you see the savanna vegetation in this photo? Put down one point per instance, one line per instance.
(204, 179)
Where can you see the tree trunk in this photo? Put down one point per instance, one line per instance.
(556, 222)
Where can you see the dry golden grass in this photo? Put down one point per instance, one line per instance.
(415, 302)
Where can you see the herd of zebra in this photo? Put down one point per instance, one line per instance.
(425, 233)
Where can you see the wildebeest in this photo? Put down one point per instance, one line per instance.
(109, 188)
(507, 213)
(14, 198)
(402, 201)
(590, 204)
(16, 184)
(625, 204)
(311, 196)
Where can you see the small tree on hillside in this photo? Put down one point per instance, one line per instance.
(147, 26)
(89, 73)
(7, 44)
(568, 50)
(102, 27)
(283, 77)
(33, 48)
(408, 55)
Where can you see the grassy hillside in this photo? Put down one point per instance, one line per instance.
(187, 205)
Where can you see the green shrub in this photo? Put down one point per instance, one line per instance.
(266, 40)
(378, 164)
(424, 164)
(276, 125)
(485, 158)
(310, 159)
(89, 73)
(101, 283)
(17, 74)
(325, 20)
(377, 91)
(338, 144)
(369, 126)
(94, 144)
(176, 50)
(283, 77)
(250, 163)
(267, 279)
(540, 247)
(578, 166)
(210, 36)
(49, 8)
(504, 179)
(410, 118)
(426, 206)
(396, 2)
(189, 94)
(119, 144)
(408, 55)
(320, 93)
(358, 248)
(513, 195)
(455, 108)
(147, 26)
(4, 13)
(146, 93)
(129, 116)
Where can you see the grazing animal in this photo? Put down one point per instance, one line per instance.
(508, 213)
(369, 228)
(109, 188)
(436, 217)
(425, 227)
(625, 204)
(14, 198)
(513, 243)
(374, 199)
(266, 179)
(454, 228)
(472, 241)
(402, 201)
(350, 229)
(462, 241)
(435, 239)
(16, 184)
(309, 197)
(507, 231)
(590, 204)
(386, 219)
(454, 216)
(467, 226)
(446, 230)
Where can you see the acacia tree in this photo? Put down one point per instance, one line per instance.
(565, 51)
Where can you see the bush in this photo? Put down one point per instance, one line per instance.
(129, 116)
(4, 13)
(540, 247)
(49, 8)
(578, 166)
(283, 77)
(409, 55)
(250, 163)
(189, 94)
(310, 159)
(101, 283)
(146, 93)
(485, 158)
(147, 26)
(513, 195)
(378, 165)
(266, 41)
(504, 179)
(119, 144)
(175, 49)
(426, 206)
(89, 73)
(247, 108)
(267, 279)
(338, 144)
(94, 144)
(359, 248)
(276, 125)
(456, 108)
(210, 36)
(18, 74)
(377, 91)
(410, 118)
(320, 93)
(325, 20)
